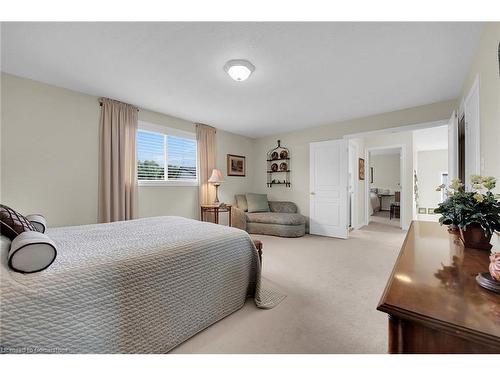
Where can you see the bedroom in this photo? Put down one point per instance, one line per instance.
(106, 123)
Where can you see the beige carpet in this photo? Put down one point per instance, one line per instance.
(382, 217)
(332, 286)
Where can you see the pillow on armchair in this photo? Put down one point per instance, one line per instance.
(257, 202)
(241, 202)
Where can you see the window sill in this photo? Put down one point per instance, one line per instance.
(167, 183)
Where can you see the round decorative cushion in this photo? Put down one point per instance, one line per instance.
(31, 252)
(38, 221)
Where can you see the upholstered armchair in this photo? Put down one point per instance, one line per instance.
(282, 219)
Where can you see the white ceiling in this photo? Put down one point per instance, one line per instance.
(431, 139)
(307, 74)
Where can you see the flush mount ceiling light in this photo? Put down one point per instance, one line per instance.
(239, 70)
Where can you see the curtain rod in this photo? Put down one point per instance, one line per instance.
(100, 105)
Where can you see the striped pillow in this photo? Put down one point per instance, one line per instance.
(13, 223)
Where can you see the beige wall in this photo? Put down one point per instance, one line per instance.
(298, 143)
(49, 151)
(49, 156)
(386, 172)
(485, 66)
(429, 168)
(229, 143)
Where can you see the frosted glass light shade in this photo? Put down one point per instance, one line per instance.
(239, 70)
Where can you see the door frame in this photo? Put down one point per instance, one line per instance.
(474, 149)
(402, 179)
(353, 147)
(397, 129)
(453, 147)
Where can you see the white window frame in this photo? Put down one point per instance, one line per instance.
(443, 191)
(155, 128)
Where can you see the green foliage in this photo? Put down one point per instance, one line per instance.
(463, 208)
(150, 170)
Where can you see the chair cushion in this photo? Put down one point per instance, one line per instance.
(241, 202)
(284, 207)
(275, 218)
(257, 202)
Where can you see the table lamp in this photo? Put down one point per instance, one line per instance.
(216, 179)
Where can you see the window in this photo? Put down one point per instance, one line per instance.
(444, 181)
(150, 156)
(165, 156)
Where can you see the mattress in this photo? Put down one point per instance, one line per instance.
(139, 286)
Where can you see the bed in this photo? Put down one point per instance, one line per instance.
(140, 286)
(374, 202)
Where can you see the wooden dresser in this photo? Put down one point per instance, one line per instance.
(432, 298)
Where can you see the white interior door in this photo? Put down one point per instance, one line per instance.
(352, 188)
(453, 147)
(328, 188)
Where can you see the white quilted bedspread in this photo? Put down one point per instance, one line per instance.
(140, 286)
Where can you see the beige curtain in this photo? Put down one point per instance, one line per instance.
(206, 154)
(117, 161)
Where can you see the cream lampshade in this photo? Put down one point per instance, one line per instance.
(216, 180)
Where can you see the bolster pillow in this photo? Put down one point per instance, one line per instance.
(38, 221)
(31, 252)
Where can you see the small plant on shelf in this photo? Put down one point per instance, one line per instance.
(475, 213)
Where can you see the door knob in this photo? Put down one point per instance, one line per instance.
(313, 193)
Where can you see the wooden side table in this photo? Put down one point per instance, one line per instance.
(215, 209)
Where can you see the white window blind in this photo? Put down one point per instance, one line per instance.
(181, 158)
(150, 156)
(166, 158)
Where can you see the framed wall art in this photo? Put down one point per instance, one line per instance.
(361, 168)
(236, 165)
